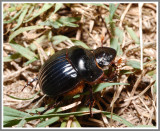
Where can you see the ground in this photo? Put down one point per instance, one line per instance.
(33, 32)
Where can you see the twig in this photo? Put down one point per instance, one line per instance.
(105, 121)
(134, 89)
(97, 121)
(132, 98)
(41, 53)
(124, 14)
(70, 121)
(13, 75)
(117, 93)
(70, 106)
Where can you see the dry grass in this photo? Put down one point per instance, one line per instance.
(136, 103)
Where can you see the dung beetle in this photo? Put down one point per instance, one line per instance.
(69, 71)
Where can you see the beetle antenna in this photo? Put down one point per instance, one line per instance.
(30, 82)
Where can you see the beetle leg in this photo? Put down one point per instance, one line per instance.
(30, 82)
(51, 106)
(110, 78)
(112, 72)
(91, 100)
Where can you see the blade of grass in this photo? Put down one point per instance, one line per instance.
(11, 57)
(119, 33)
(112, 10)
(80, 43)
(22, 98)
(81, 111)
(57, 7)
(39, 40)
(120, 120)
(30, 61)
(23, 51)
(21, 18)
(75, 123)
(134, 64)
(14, 17)
(58, 39)
(101, 86)
(10, 121)
(23, 29)
(29, 13)
(10, 112)
(133, 35)
(64, 21)
(63, 124)
(45, 7)
(115, 45)
(48, 122)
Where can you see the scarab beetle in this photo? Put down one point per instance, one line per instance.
(69, 71)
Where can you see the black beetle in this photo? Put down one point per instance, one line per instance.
(68, 71)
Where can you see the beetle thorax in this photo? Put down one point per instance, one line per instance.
(84, 62)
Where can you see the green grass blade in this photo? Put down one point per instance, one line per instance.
(58, 39)
(112, 10)
(23, 29)
(30, 61)
(134, 64)
(23, 51)
(11, 57)
(21, 18)
(10, 121)
(69, 19)
(63, 124)
(48, 122)
(10, 112)
(45, 7)
(101, 86)
(133, 35)
(120, 120)
(115, 45)
(80, 43)
(22, 98)
(22, 122)
(75, 123)
(57, 7)
(39, 40)
(29, 14)
(119, 33)
(13, 18)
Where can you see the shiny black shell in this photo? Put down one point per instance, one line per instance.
(66, 69)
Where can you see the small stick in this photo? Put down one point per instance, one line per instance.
(124, 14)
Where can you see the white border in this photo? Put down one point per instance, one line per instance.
(157, 47)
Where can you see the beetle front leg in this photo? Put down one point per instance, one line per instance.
(112, 74)
(110, 78)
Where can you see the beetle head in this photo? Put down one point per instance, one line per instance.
(104, 56)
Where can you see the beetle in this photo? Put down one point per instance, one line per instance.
(69, 71)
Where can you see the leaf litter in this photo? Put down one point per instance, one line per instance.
(57, 26)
